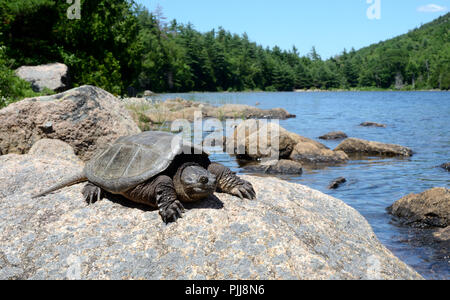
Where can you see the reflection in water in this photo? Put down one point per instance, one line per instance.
(419, 120)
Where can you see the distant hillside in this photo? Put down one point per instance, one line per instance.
(122, 47)
(419, 58)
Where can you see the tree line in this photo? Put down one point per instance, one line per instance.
(122, 47)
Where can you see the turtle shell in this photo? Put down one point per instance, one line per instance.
(134, 159)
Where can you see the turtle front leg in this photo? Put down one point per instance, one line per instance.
(228, 182)
(159, 192)
(91, 193)
(170, 208)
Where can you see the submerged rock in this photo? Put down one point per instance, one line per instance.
(52, 76)
(335, 135)
(86, 117)
(289, 232)
(358, 146)
(337, 183)
(430, 208)
(372, 124)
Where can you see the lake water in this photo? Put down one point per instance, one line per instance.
(419, 120)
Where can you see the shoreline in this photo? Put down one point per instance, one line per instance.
(296, 91)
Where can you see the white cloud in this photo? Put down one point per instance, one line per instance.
(431, 8)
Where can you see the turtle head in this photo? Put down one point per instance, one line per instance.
(193, 182)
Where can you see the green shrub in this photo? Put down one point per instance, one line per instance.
(12, 88)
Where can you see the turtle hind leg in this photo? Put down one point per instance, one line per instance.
(92, 193)
(228, 182)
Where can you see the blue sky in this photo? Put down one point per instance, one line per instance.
(329, 25)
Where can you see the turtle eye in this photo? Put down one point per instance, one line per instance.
(203, 180)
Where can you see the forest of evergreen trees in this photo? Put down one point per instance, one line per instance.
(117, 45)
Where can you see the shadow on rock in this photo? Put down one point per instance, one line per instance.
(212, 202)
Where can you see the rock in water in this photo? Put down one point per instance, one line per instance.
(52, 76)
(335, 135)
(248, 136)
(372, 124)
(337, 183)
(284, 166)
(430, 208)
(358, 146)
(86, 117)
(311, 152)
(252, 140)
(290, 232)
(446, 166)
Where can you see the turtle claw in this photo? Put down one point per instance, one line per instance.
(91, 193)
(244, 190)
(172, 212)
(238, 193)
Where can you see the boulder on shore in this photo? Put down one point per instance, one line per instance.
(148, 93)
(174, 109)
(359, 146)
(256, 139)
(430, 208)
(289, 232)
(335, 135)
(313, 153)
(241, 111)
(86, 117)
(52, 76)
(248, 142)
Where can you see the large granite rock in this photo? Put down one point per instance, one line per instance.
(52, 76)
(86, 117)
(363, 147)
(254, 139)
(430, 208)
(289, 232)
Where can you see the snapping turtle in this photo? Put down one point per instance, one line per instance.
(156, 169)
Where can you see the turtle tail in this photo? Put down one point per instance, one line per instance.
(78, 178)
